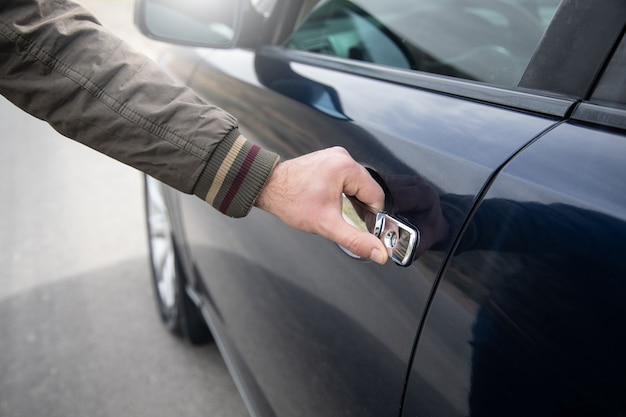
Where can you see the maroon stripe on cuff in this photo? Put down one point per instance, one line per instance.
(241, 175)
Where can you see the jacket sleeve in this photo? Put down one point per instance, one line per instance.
(58, 64)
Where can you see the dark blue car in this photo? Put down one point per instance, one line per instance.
(498, 130)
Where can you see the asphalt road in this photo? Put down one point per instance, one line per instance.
(79, 333)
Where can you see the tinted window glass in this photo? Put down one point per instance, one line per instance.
(484, 40)
(611, 89)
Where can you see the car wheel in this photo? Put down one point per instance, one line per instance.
(177, 310)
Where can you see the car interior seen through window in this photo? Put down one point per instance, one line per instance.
(489, 41)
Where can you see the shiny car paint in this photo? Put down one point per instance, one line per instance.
(516, 312)
(527, 319)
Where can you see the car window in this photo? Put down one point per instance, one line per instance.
(611, 89)
(490, 41)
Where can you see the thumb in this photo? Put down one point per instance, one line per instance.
(360, 243)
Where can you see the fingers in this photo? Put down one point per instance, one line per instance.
(360, 184)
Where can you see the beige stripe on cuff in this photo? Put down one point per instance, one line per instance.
(220, 177)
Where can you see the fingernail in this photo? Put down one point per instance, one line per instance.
(376, 256)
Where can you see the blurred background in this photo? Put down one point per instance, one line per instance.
(79, 332)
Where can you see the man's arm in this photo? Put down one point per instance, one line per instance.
(59, 64)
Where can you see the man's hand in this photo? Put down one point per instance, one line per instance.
(305, 193)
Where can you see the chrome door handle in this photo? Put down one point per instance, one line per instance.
(399, 236)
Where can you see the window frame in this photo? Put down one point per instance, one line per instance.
(602, 115)
(540, 91)
(548, 104)
(577, 44)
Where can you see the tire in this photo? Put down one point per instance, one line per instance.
(177, 311)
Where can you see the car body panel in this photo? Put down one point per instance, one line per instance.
(527, 319)
(294, 313)
(520, 281)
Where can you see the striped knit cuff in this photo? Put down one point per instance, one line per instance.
(235, 175)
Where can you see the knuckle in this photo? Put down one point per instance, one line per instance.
(341, 155)
(339, 150)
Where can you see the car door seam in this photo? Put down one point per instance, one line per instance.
(455, 244)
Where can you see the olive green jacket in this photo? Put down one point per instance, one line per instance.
(60, 65)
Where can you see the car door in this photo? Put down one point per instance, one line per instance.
(528, 316)
(306, 329)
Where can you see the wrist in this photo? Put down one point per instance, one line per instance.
(274, 186)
